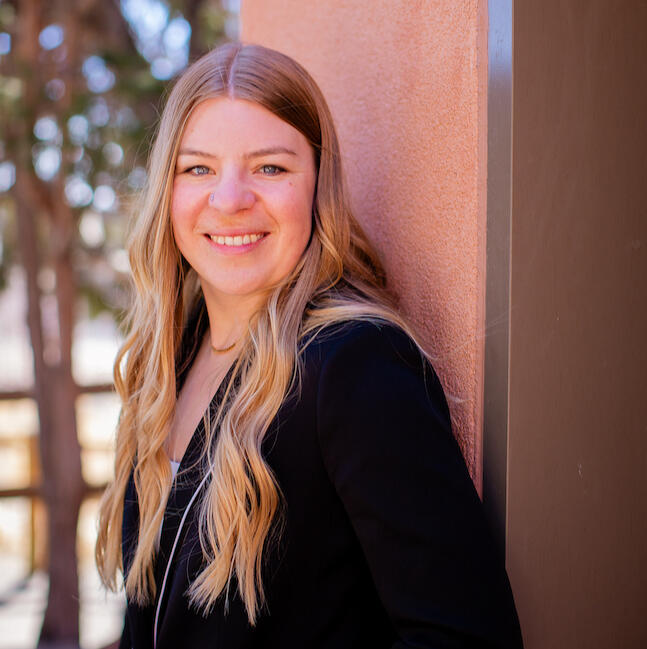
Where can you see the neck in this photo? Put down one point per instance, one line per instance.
(229, 317)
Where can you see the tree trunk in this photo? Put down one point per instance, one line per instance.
(63, 489)
(55, 391)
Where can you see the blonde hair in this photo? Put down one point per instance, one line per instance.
(338, 278)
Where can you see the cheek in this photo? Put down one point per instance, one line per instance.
(306, 218)
(183, 204)
(297, 208)
(300, 232)
(184, 201)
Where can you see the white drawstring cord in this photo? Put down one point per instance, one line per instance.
(168, 565)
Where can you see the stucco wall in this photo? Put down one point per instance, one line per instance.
(402, 79)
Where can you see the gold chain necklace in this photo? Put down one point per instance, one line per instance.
(223, 349)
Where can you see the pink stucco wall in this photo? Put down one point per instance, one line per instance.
(406, 84)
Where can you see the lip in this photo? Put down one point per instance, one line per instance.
(234, 233)
(235, 250)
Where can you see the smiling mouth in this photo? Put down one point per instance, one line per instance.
(238, 240)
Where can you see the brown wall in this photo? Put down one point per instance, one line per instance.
(577, 529)
(406, 85)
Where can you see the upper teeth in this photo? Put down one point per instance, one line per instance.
(238, 240)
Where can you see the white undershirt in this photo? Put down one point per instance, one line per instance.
(174, 467)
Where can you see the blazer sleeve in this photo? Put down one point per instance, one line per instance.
(387, 445)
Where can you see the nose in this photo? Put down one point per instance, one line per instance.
(231, 195)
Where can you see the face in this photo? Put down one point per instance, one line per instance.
(242, 198)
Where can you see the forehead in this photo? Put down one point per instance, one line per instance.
(236, 125)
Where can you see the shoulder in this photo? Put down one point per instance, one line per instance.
(361, 342)
(368, 364)
(375, 347)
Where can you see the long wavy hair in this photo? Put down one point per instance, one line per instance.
(338, 278)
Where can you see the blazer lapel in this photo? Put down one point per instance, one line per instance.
(191, 472)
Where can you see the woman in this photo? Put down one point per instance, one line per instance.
(320, 499)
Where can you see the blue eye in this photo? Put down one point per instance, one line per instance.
(272, 170)
(198, 170)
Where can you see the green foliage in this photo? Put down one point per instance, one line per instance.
(84, 112)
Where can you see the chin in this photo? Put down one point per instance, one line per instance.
(237, 291)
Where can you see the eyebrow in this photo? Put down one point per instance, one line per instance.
(272, 150)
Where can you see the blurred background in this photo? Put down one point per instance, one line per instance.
(495, 153)
(81, 84)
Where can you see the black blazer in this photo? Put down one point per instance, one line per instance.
(383, 543)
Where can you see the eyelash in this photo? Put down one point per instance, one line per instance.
(277, 170)
(192, 170)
